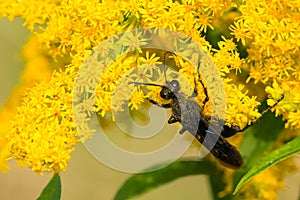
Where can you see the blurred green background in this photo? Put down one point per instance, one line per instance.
(86, 178)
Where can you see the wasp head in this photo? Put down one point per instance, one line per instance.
(169, 91)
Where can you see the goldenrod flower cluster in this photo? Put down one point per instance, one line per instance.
(269, 30)
(37, 69)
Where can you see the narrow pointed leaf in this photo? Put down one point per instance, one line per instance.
(53, 189)
(141, 183)
(257, 141)
(271, 159)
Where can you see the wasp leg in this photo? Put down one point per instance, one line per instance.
(167, 105)
(182, 131)
(238, 129)
(204, 88)
(205, 92)
(165, 55)
(173, 119)
(269, 108)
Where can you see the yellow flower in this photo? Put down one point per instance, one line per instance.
(269, 30)
(241, 109)
(43, 130)
(149, 59)
(276, 92)
(239, 32)
(137, 99)
(227, 57)
(37, 69)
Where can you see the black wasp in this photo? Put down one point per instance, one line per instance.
(187, 111)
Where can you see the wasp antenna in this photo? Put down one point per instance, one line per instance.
(165, 55)
(142, 83)
(165, 70)
(165, 74)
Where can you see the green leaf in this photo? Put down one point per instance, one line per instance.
(141, 183)
(257, 140)
(260, 138)
(271, 159)
(53, 189)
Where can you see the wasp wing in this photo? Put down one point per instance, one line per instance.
(220, 148)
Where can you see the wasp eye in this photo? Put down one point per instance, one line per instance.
(174, 85)
(166, 93)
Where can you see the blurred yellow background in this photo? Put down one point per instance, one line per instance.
(86, 178)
